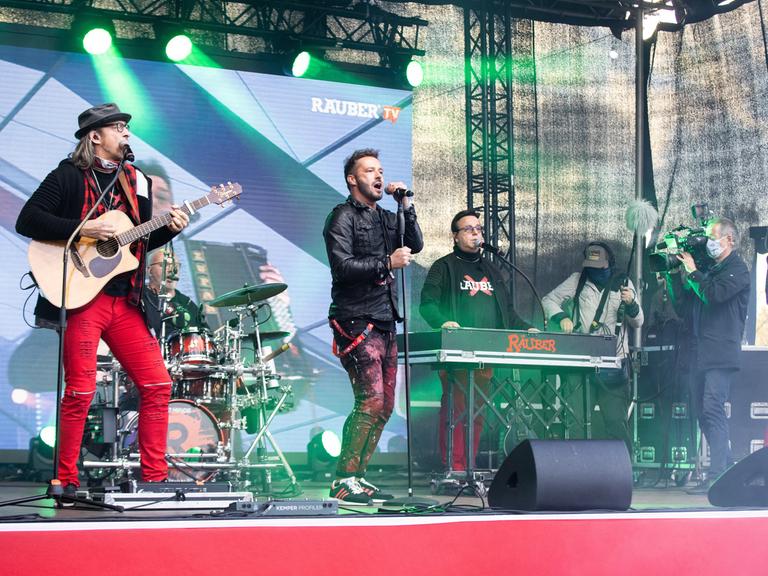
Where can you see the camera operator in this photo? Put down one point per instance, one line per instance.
(716, 302)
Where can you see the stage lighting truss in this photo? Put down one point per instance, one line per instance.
(672, 15)
(251, 27)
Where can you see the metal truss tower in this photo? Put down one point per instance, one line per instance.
(490, 152)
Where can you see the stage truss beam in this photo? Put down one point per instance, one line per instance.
(325, 25)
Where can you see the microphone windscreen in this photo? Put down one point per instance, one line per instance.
(641, 216)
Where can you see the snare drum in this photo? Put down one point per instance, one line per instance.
(192, 346)
(212, 389)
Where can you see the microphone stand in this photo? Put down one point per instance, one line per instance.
(496, 252)
(410, 501)
(55, 490)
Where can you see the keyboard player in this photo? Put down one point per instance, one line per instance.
(464, 289)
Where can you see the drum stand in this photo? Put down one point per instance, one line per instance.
(253, 412)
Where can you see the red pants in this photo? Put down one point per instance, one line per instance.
(452, 380)
(124, 329)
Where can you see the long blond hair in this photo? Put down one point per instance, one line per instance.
(84, 154)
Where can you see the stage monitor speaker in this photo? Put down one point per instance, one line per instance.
(564, 475)
(743, 484)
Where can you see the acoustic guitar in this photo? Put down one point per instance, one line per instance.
(92, 263)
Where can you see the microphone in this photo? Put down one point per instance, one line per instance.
(128, 153)
(494, 250)
(398, 193)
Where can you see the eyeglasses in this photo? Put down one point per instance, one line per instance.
(470, 229)
(120, 126)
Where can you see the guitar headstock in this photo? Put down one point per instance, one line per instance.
(224, 192)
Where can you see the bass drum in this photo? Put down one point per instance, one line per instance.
(192, 429)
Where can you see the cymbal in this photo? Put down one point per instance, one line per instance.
(271, 335)
(247, 295)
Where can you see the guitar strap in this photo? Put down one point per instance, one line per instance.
(130, 194)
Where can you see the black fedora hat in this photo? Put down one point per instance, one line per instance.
(98, 116)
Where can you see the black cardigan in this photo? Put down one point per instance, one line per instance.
(53, 212)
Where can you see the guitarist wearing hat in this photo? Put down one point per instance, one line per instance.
(114, 314)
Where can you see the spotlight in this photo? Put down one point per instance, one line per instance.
(97, 41)
(178, 47)
(40, 459)
(176, 43)
(301, 63)
(48, 436)
(322, 451)
(414, 73)
(96, 33)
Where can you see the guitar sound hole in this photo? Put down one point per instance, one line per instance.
(107, 248)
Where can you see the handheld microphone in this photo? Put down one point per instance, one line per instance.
(128, 153)
(489, 248)
(398, 193)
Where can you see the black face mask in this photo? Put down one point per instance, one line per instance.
(599, 276)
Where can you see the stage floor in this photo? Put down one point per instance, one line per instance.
(667, 531)
(667, 499)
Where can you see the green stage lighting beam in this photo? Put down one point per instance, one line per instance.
(414, 73)
(97, 41)
(301, 64)
(178, 48)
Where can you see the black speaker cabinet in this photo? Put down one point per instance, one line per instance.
(743, 484)
(564, 475)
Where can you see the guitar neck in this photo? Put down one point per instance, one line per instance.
(141, 230)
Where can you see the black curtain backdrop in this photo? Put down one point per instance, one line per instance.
(574, 133)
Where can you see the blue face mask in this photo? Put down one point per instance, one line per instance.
(599, 276)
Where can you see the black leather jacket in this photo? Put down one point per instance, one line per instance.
(358, 240)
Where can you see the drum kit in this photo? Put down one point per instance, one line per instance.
(219, 388)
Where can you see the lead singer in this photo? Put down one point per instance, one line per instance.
(361, 239)
(53, 212)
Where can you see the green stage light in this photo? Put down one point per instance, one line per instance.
(97, 41)
(178, 48)
(414, 73)
(322, 451)
(331, 443)
(301, 64)
(48, 435)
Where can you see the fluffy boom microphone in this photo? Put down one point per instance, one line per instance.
(641, 216)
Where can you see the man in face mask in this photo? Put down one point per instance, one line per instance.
(718, 301)
(597, 300)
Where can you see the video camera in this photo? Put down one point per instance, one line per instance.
(663, 258)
